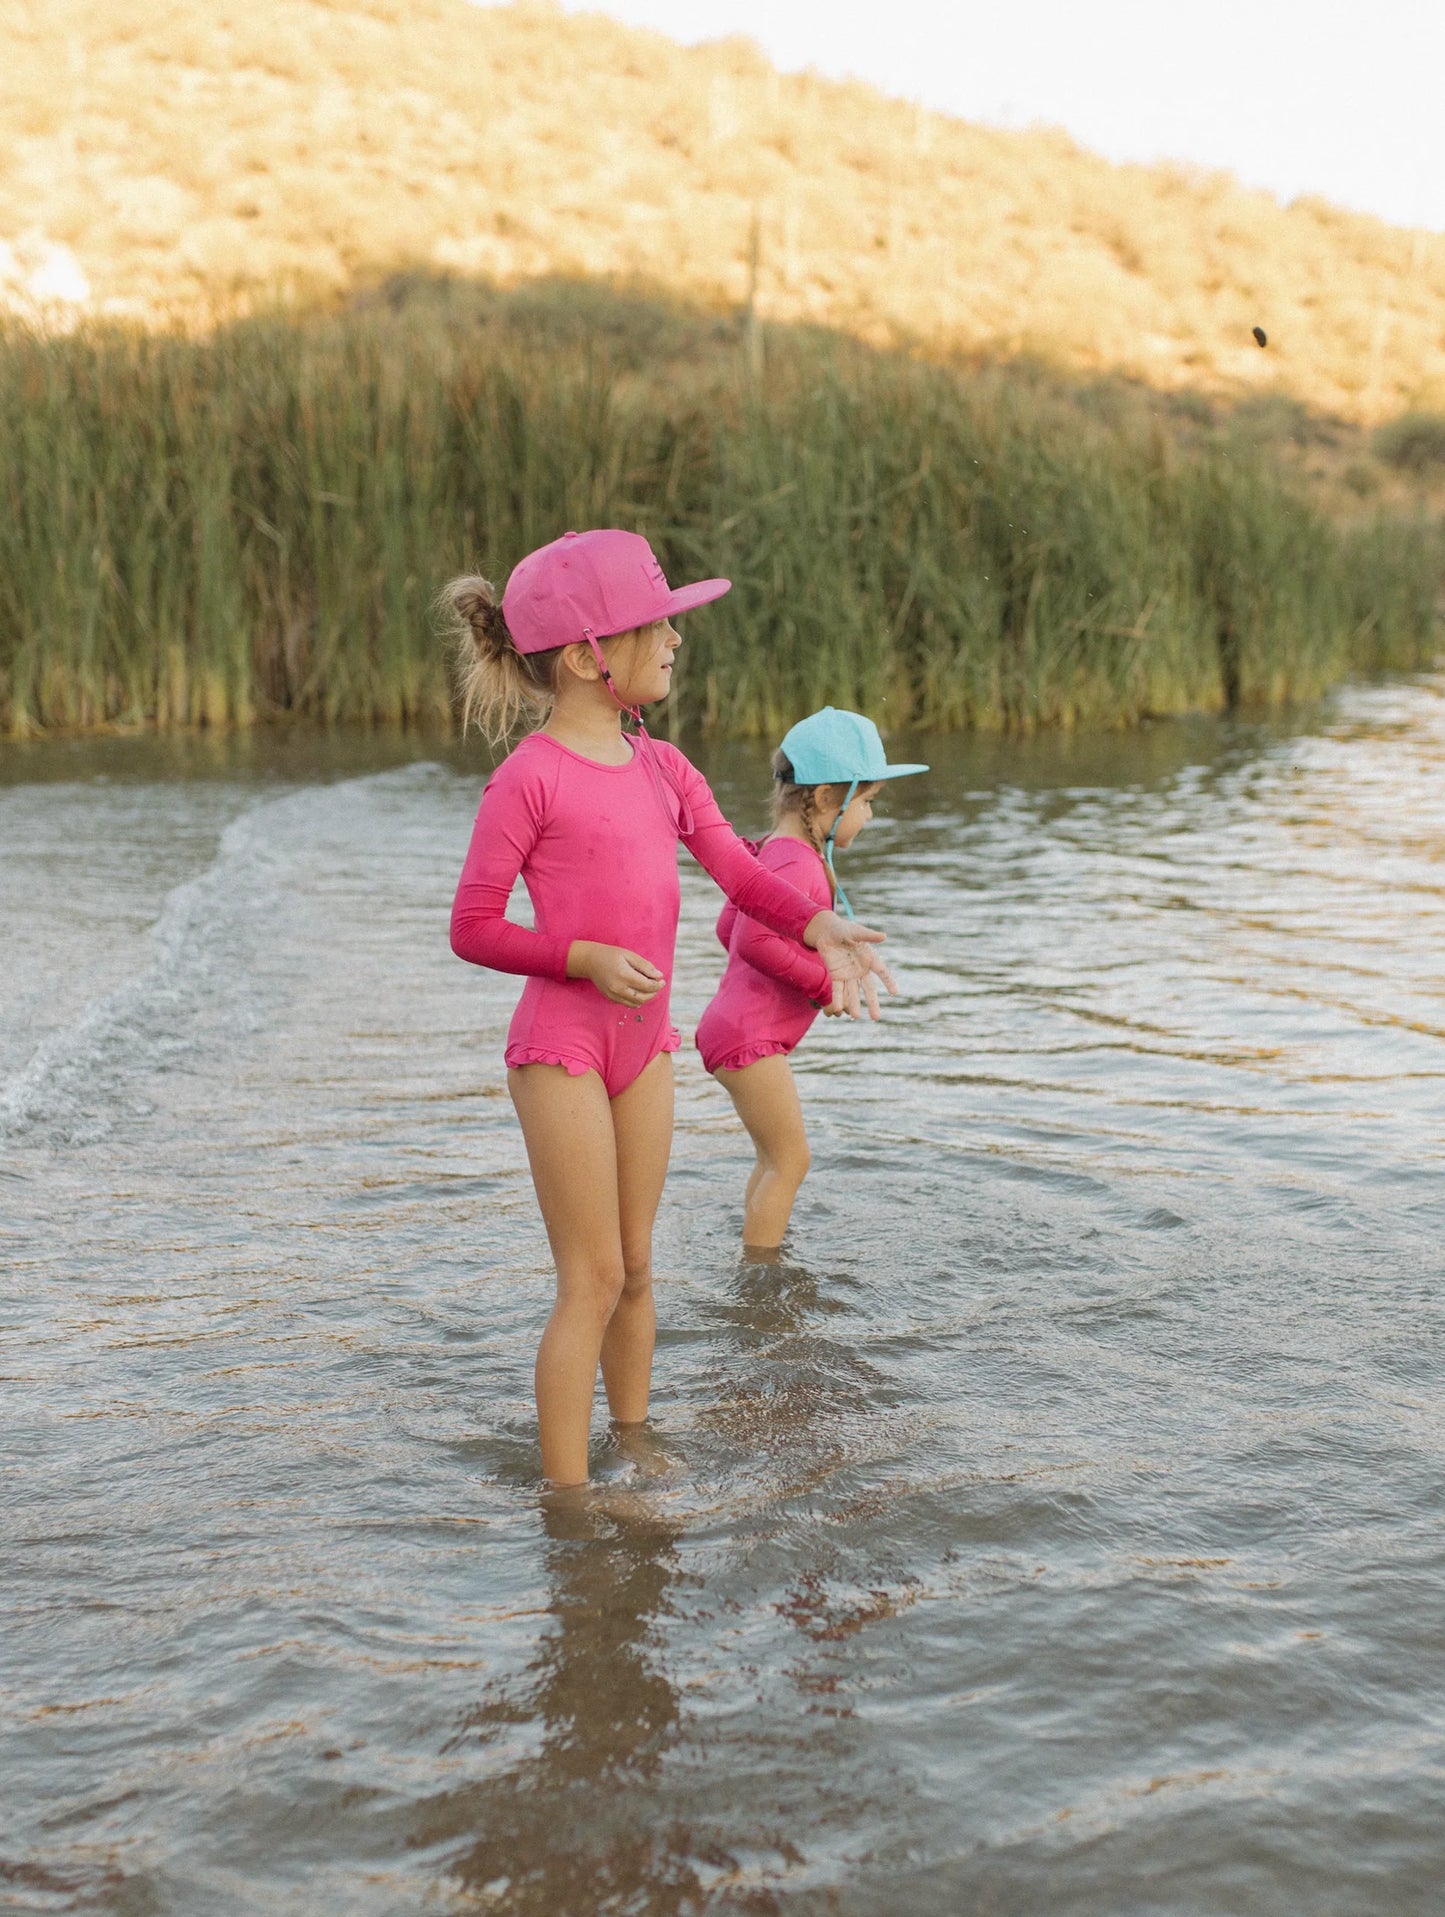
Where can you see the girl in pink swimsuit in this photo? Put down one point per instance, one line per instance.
(825, 775)
(589, 817)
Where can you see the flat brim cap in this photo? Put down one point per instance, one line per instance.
(833, 747)
(593, 585)
(682, 599)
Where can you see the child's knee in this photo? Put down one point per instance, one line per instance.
(599, 1287)
(790, 1160)
(636, 1272)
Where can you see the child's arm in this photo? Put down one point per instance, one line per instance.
(508, 822)
(846, 947)
(732, 862)
(728, 917)
(784, 958)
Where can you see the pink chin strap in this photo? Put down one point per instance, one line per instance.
(681, 812)
(633, 712)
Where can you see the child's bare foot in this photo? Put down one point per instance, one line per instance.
(640, 1451)
(761, 1254)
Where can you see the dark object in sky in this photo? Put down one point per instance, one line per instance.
(1261, 338)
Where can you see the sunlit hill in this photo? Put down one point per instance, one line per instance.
(168, 159)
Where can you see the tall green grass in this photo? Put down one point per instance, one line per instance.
(254, 523)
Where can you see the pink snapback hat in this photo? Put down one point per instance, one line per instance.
(593, 585)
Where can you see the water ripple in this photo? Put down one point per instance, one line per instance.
(1054, 1527)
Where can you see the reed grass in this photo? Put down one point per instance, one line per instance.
(230, 528)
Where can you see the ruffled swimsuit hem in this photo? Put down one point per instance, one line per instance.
(574, 1066)
(743, 1055)
(536, 1055)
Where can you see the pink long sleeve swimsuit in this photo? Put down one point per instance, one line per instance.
(773, 987)
(596, 846)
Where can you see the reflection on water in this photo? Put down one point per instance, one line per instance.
(594, 1710)
(598, 1713)
(1052, 1526)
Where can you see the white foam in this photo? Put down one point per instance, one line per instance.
(208, 983)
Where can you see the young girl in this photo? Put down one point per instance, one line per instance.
(590, 816)
(825, 776)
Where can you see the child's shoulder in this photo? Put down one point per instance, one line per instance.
(528, 769)
(532, 749)
(782, 851)
(800, 863)
(673, 757)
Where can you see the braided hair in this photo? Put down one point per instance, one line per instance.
(800, 802)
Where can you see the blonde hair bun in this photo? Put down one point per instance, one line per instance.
(498, 686)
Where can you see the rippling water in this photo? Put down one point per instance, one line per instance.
(1057, 1528)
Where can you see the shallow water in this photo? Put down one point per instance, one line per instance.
(1055, 1529)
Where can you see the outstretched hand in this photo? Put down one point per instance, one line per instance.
(847, 949)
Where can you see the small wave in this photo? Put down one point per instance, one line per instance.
(205, 986)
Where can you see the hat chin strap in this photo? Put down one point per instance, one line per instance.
(682, 817)
(633, 712)
(843, 905)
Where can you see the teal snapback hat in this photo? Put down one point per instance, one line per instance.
(833, 747)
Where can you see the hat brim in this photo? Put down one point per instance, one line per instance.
(685, 598)
(901, 771)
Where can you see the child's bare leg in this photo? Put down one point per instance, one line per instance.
(767, 1102)
(642, 1126)
(572, 1149)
